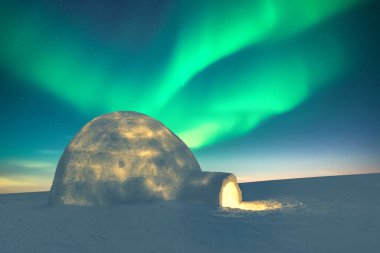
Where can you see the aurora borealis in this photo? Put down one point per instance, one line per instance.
(215, 72)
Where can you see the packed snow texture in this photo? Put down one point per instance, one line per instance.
(331, 214)
(130, 157)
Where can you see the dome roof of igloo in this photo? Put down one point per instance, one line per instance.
(121, 147)
(139, 139)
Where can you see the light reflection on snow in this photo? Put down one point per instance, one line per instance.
(231, 198)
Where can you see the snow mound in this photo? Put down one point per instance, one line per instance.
(128, 157)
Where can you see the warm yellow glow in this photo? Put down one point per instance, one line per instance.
(138, 132)
(259, 205)
(120, 174)
(231, 199)
(147, 153)
(230, 196)
(24, 184)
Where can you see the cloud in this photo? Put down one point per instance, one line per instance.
(7, 182)
(25, 175)
(32, 164)
(49, 151)
(26, 167)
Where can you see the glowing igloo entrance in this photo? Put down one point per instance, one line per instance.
(231, 197)
(129, 157)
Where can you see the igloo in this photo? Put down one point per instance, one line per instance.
(130, 157)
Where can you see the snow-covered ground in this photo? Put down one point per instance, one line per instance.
(329, 214)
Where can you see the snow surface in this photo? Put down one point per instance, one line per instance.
(329, 214)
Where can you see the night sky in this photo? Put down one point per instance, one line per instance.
(266, 89)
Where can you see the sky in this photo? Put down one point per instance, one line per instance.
(266, 89)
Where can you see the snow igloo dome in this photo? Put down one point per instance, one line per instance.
(130, 157)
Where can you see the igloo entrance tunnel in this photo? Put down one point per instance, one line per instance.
(129, 157)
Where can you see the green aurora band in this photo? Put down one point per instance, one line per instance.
(180, 86)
